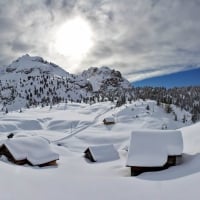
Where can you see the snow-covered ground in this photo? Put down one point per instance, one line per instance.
(71, 128)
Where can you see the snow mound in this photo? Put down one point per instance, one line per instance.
(104, 153)
(101, 77)
(152, 148)
(35, 149)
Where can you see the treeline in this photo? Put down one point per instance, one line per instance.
(45, 90)
(187, 98)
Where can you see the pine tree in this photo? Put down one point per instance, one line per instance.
(168, 108)
(184, 119)
(147, 107)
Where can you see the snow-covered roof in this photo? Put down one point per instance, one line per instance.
(35, 149)
(109, 119)
(152, 148)
(104, 153)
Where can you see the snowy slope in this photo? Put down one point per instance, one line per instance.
(32, 81)
(30, 65)
(77, 126)
(101, 77)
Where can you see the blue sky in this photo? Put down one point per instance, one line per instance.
(184, 78)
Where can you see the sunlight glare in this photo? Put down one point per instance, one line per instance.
(74, 38)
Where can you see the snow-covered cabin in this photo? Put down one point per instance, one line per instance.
(109, 120)
(32, 150)
(154, 150)
(101, 153)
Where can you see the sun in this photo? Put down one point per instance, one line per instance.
(74, 38)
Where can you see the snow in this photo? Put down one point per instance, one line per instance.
(109, 119)
(30, 80)
(104, 153)
(35, 149)
(152, 148)
(96, 76)
(28, 63)
(80, 126)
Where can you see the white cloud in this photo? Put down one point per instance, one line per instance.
(141, 38)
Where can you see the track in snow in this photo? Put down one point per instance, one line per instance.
(61, 140)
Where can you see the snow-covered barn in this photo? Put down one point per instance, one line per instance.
(109, 120)
(32, 150)
(101, 153)
(154, 150)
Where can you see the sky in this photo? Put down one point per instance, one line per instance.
(178, 79)
(141, 38)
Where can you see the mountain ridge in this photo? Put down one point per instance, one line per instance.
(32, 81)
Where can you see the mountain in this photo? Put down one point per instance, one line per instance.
(27, 65)
(32, 81)
(179, 79)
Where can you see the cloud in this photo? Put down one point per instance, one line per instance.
(20, 46)
(141, 38)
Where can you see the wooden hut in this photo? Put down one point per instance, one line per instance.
(101, 153)
(154, 150)
(109, 120)
(32, 150)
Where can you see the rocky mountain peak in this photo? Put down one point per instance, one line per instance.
(27, 64)
(33, 81)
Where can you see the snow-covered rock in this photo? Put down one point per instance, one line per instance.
(103, 77)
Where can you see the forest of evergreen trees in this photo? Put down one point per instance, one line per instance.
(45, 90)
(187, 98)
